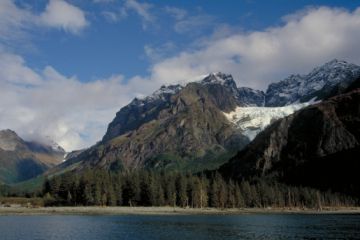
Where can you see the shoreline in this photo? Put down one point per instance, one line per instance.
(23, 211)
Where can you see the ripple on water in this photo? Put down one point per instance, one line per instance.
(213, 227)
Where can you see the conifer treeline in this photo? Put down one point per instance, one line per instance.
(144, 188)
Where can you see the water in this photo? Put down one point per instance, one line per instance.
(132, 227)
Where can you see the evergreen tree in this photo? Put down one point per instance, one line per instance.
(181, 189)
(144, 188)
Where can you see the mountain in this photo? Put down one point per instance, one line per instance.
(177, 127)
(200, 125)
(318, 84)
(316, 146)
(140, 111)
(21, 160)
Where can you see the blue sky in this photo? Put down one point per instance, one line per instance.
(109, 46)
(69, 65)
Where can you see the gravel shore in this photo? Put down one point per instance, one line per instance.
(165, 211)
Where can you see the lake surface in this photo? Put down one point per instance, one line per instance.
(133, 227)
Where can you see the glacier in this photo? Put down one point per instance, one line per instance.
(252, 120)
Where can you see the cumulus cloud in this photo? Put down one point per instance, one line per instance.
(47, 103)
(13, 21)
(304, 40)
(16, 21)
(60, 14)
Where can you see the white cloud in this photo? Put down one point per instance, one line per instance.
(306, 39)
(46, 103)
(13, 21)
(115, 16)
(160, 52)
(110, 16)
(16, 21)
(177, 13)
(141, 9)
(13, 71)
(60, 14)
(103, 1)
(193, 24)
(186, 23)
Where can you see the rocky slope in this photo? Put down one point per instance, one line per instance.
(21, 160)
(316, 146)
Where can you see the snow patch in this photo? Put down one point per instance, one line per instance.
(158, 94)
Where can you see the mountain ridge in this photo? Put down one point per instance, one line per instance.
(186, 125)
(21, 160)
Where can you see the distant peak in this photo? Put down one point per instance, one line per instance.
(158, 94)
(334, 65)
(9, 140)
(335, 62)
(218, 78)
(8, 132)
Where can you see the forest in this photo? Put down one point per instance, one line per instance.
(150, 188)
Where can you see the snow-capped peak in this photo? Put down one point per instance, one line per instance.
(218, 78)
(171, 89)
(320, 80)
(164, 91)
(159, 94)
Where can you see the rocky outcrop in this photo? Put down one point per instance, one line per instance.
(250, 97)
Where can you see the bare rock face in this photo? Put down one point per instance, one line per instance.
(292, 148)
(251, 97)
(140, 111)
